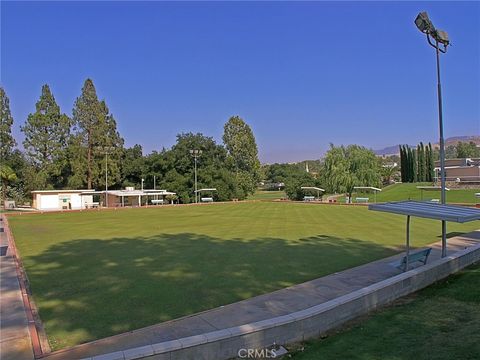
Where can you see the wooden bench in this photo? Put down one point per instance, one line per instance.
(91, 205)
(206, 199)
(361, 200)
(421, 256)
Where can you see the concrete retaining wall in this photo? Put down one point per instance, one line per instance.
(301, 325)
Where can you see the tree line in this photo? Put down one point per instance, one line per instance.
(62, 151)
(341, 169)
(417, 165)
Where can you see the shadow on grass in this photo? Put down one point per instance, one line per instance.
(452, 234)
(87, 289)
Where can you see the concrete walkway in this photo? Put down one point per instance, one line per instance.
(278, 303)
(15, 343)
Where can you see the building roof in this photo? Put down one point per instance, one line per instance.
(62, 191)
(429, 210)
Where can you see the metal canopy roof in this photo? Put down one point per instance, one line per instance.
(367, 188)
(200, 190)
(128, 193)
(312, 188)
(429, 210)
(432, 188)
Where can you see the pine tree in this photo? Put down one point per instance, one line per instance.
(95, 134)
(7, 142)
(46, 137)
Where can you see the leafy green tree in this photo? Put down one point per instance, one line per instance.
(347, 167)
(293, 185)
(467, 150)
(174, 169)
(450, 152)
(7, 176)
(7, 142)
(242, 147)
(95, 134)
(47, 133)
(133, 167)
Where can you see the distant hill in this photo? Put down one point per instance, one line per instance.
(456, 139)
(389, 150)
(394, 150)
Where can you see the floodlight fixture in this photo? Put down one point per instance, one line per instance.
(195, 153)
(442, 37)
(424, 24)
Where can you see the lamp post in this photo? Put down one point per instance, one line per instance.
(196, 154)
(440, 43)
(106, 150)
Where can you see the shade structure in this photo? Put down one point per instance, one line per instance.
(312, 188)
(374, 189)
(427, 210)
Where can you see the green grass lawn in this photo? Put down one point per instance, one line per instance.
(441, 322)
(267, 195)
(399, 192)
(99, 273)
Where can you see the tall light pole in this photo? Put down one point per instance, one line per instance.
(424, 24)
(196, 154)
(106, 150)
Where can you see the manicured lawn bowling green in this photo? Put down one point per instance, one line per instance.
(99, 273)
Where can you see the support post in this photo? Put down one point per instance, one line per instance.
(407, 263)
(442, 151)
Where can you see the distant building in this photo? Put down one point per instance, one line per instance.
(460, 170)
(61, 199)
(50, 200)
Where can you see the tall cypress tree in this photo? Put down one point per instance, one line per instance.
(414, 165)
(402, 163)
(431, 163)
(408, 163)
(47, 131)
(427, 164)
(7, 142)
(95, 131)
(421, 162)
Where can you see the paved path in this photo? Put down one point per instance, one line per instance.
(259, 308)
(15, 343)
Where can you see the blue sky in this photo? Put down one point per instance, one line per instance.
(302, 74)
